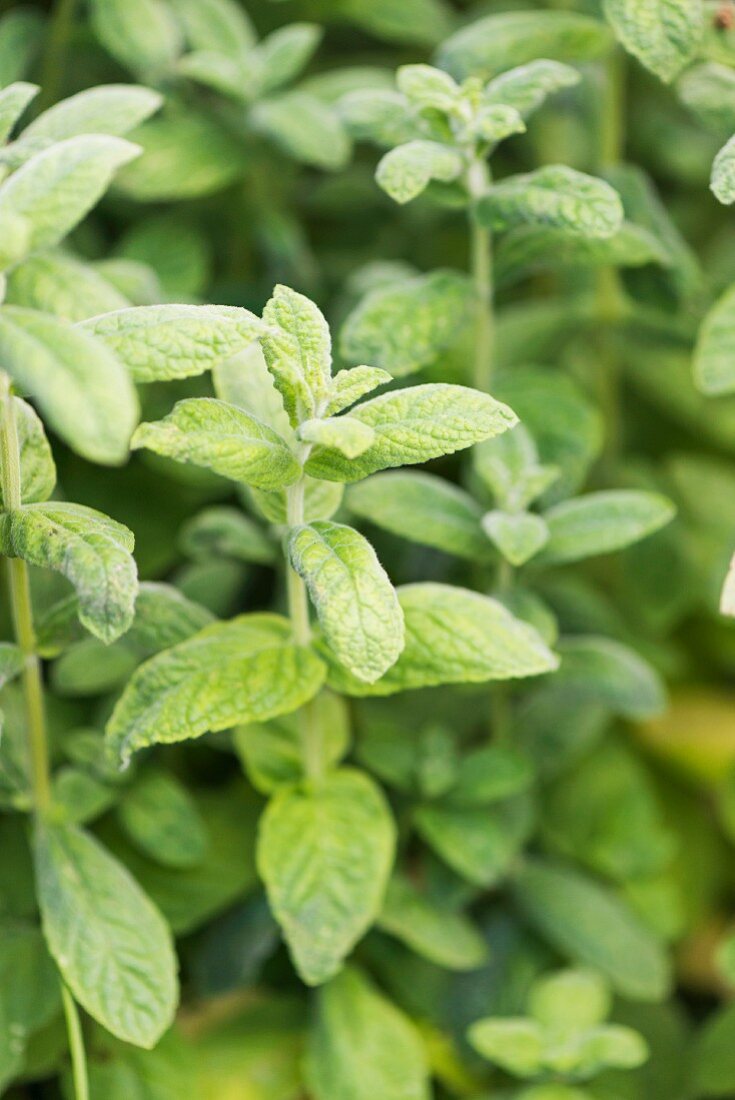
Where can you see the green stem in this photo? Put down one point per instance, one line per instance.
(22, 609)
(54, 60)
(298, 610)
(76, 1045)
(481, 260)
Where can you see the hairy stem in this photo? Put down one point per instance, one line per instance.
(481, 260)
(76, 1045)
(298, 610)
(22, 610)
(54, 60)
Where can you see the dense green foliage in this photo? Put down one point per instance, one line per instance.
(367, 504)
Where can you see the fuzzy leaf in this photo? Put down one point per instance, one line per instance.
(526, 87)
(325, 854)
(415, 425)
(245, 670)
(355, 601)
(407, 170)
(113, 109)
(423, 508)
(714, 366)
(508, 465)
(348, 386)
(158, 343)
(37, 468)
(141, 34)
(424, 86)
(109, 941)
(83, 391)
(55, 188)
(518, 535)
(437, 933)
(555, 196)
(281, 55)
(54, 282)
(13, 101)
(403, 326)
(163, 821)
(379, 115)
(298, 351)
(723, 174)
(599, 523)
(362, 1047)
(344, 434)
(89, 549)
(222, 438)
(455, 636)
(662, 34)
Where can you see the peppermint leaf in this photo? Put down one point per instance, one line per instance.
(518, 535)
(424, 86)
(222, 438)
(281, 55)
(113, 109)
(415, 425)
(722, 182)
(141, 34)
(222, 532)
(37, 467)
(325, 854)
(354, 598)
(306, 129)
(599, 523)
(217, 25)
(163, 821)
(109, 941)
(89, 549)
(298, 351)
(407, 170)
(714, 370)
(13, 101)
(56, 283)
(526, 87)
(436, 932)
(662, 34)
(554, 196)
(344, 434)
(348, 386)
(708, 90)
(245, 670)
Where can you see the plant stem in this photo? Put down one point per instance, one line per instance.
(20, 598)
(477, 181)
(76, 1045)
(298, 610)
(54, 60)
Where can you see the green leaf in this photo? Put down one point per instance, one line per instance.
(424, 86)
(723, 174)
(162, 820)
(590, 924)
(185, 156)
(554, 196)
(526, 87)
(424, 22)
(141, 34)
(159, 343)
(53, 282)
(89, 549)
(727, 597)
(498, 42)
(222, 438)
(599, 523)
(344, 434)
(83, 391)
(306, 129)
(355, 601)
(325, 854)
(348, 386)
(179, 252)
(281, 55)
(11, 662)
(109, 941)
(423, 508)
(113, 109)
(509, 466)
(489, 775)
(222, 532)
(55, 188)
(217, 25)
(437, 933)
(28, 979)
(708, 90)
(21, 31)
(714, 370)
(663, 34)
(604, 671)
(415, 425)
(379, 115)
(714, 1054)
(518, 535)
(407, 170)
(570, 999)
(13, 101)
(514, 1044)
(298, 352)
(321, 501)
(245, 670)
(37, 467)
(454, 636)
(479, 843)
(404, 325)
(362, 1047)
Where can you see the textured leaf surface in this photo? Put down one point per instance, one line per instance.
(723, 174)
(112, 109)
(438, 933)
(223, 438)
(662, 34)
(245, 670)
(109, 941)
(348, 386)
(526, 87)
(298, 351)
(456, 636)
(89, 549)
(363, 1046)
(423, 508)
(82, 390)
(325, 855)
(598, 523)
(413, 426)
(555, 196)
(426, 86)
(58, 186)
(407, 170)
(714, 355)
(158, 343)
(356, 603)
(345, 434)
(589, 924)
(37, 468)
(403, 326)
(54, 282)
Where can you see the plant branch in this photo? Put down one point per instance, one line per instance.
(22, 609)
(76, 1045)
